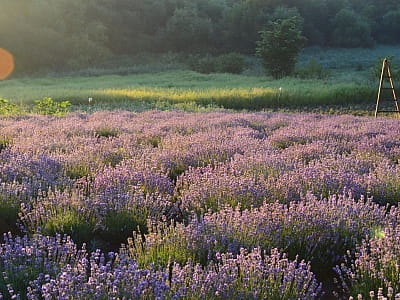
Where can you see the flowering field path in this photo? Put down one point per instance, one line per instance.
(175, 205)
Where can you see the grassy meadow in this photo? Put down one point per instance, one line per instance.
(339, 80)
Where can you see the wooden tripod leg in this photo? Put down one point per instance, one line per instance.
(384, 64)
(393, 91)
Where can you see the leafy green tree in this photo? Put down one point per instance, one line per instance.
(280, 45)
(351, 30)
(389, 32)
(316, 27)
(187, 31)
(60, 35)
(52, 35)
(241, 23)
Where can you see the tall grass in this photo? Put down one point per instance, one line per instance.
(173, 87)
(349, 83)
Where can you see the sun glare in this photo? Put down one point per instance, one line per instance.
(6, 64)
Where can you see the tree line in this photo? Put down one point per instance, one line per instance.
(65, 34)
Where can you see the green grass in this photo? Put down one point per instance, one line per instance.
(349, 84)
(177, 87)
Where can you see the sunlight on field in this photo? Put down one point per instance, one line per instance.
(6, 64)
(180, 95)
(163, 90)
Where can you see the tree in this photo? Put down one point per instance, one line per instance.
(187, 31)
(390, 30)
(351, 30)
(241, 23)
(52, 35)
(279, 46)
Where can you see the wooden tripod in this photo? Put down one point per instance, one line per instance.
(386, 74)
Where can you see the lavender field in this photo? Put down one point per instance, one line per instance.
(218, 205)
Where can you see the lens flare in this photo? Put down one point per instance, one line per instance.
(6, 63)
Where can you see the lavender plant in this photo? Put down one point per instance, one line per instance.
(100, 217)
(374, 268)
(317, 230)
(212, 188)
(249, 275)
(26, 262)
(253, 275)
(60, 213)
(194, 185)
(114, 277)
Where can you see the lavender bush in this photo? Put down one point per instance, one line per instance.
(26, 262)
(109, 278)
(194, 185)
(254, 275)
(105, 218)
(236, 155)
(317, 230)
(374, 270)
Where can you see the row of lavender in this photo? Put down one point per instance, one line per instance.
(209, 199)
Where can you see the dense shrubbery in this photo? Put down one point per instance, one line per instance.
(230, 63)
(47, 106)
(7, 108)
(227, 63)
(314, 70)
(70, 34)
(44, 106)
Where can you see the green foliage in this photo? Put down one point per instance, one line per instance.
(227, 63)
(390, 29)
(119, 225)
(5, 141)
(186, 30)
(187, 90)
(163, 244)
(58, 35)
(376, 69)
(113, 158)
(153, 141)
(204, 65)
(241, 22)
(194, 107)
(9, 208)
(349, 82)
(313, 70)
(176, 169)
(77, 170)
(230, 63)
(7, 108)
(106, 132)
(72, 223)
(66, 35)
(47, 106)
(279, 46)
(351, 30)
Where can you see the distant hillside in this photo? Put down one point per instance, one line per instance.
(70, 34)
